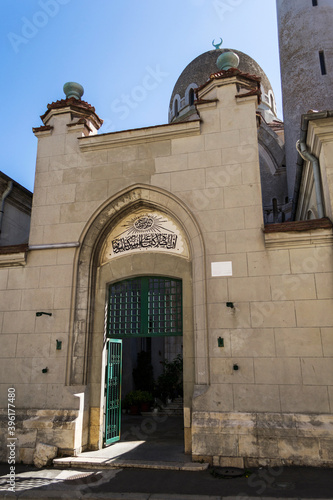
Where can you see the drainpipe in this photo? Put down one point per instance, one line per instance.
(3, 198)
(52, 246)
(304, 153)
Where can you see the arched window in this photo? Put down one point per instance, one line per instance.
(271, 99)
(191, 97)
(322, 62)
(176, 111)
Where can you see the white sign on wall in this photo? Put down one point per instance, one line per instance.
(221, 269)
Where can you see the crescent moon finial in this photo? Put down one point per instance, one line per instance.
(217, 45)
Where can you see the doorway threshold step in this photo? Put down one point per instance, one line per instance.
(98, 463)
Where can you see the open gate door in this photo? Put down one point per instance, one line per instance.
(113, 391)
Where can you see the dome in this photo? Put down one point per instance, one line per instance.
(197, 73)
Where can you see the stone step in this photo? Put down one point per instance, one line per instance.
(100, 463)
(171, 413)
(174, 408)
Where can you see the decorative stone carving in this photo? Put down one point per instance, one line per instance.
(144, 230)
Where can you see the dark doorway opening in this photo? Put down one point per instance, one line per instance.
(145, 315)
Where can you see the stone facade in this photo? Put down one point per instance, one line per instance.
(274, 189)
(262, 396)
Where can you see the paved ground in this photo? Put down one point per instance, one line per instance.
(147, 441)
(144, 484)
(152, 443)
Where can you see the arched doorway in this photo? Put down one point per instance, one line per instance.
(149, 269)
(95, 272)
(144, 313)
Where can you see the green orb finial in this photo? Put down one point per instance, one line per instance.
(73, 89)
(227, 60)
(217, 45)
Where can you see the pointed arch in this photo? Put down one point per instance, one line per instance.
(86, 260)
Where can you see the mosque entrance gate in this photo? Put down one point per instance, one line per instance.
(148, 306)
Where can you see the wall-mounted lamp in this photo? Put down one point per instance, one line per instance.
(230, 304)
(42, 312)
(59, 344)
(45, 370)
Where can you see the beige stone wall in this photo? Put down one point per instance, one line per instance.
(44, 284)
(282, 343)
(59, 428)
(206, 175)
(263, 439)
(46, 410)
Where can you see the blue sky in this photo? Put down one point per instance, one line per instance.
(110, 47)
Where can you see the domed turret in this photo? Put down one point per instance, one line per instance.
(181, 107)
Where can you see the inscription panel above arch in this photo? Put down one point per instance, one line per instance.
(145, 230)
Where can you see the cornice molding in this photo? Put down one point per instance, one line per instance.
(140, 136)
(296, 239)
(14, 255)
(303, 233)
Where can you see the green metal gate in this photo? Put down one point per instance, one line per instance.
(149, 306)
(113, 391)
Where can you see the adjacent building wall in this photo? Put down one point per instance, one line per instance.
(15, 212)
(304, 33)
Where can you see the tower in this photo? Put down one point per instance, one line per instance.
(306, 59)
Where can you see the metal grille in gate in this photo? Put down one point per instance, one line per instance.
(145, 307)
(113, 391)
